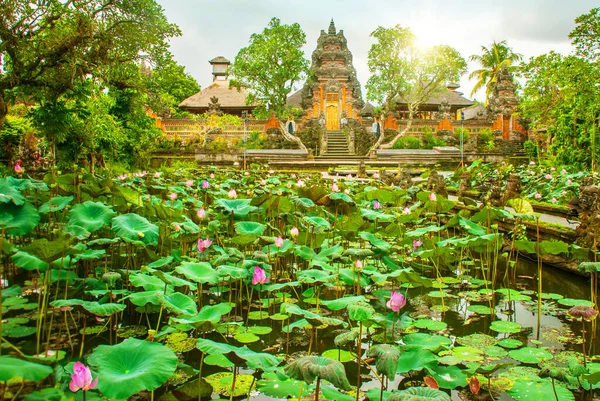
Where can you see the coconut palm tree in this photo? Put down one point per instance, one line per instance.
(492, 60)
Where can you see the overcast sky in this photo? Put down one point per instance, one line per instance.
(222, 27)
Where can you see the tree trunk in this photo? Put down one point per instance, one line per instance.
(390, 144)
(291, 138)
(3, 109)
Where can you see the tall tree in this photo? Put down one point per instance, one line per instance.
(47, 46)
(492, 60)
(270, 66)
(399, 68)
(586, 35)
(168, 85)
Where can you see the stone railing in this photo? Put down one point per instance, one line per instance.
(185, 128)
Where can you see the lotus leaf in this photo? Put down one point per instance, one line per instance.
(277, 385)
(56, 204)
(415, 358)
(502, 326)
(11, 368)
(18, 220)
(530, 355)
(448, 377)
(10, 193)
(91, 216)
(309, 368)
(132, 366)
(419, 394)
(431, 342)
(387, 357)
(135, 228)
(535, 390)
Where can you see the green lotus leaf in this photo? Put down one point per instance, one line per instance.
(589, 267)
(18, 220)
(429, 324)
(431, 342)
(341, 303)
(331, 393)
(199, 272)
(47, 394)
(387, 357)
(135, 228)
(246, 338)
(178, 303)
(494, 351)
(521, 206)
(418, 394)
(468, 354)
(502, 326)
(56, 204)
(510, 343)
(260, 330)
(91, 216)
(570, 302)
(378, 243)
(304, 202)
(360, 311)
(147, 281)
(536, 390)
(415, 358)
(448, 377)
(419, 232)
(553, 247)
(233, 273)
(338, 354)
(218, 360)
(481, 309)
(132, 366)
(374, 215)
(9, 193)
(277, 385)
(249, 228)
(477, 340)
(530, 355)
(309, 368)
(94, 308)
(239, 207)
(27, 261)
(317, 222)
(11, 368)
(335, 196)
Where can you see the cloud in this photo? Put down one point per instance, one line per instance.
(221, 28)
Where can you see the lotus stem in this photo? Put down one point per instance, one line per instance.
(554, 389)
(381, 391)
(318, 388)
(358, 357)
(21, 389)
(82, 338)
(583, 341)
(233, 383)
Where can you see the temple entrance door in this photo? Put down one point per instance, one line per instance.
(332, 112)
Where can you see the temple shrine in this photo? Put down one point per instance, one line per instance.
(332, 91)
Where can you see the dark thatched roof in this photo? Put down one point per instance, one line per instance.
(295, 99)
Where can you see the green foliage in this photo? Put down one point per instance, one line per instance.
(531, 149)
(466, 135)
(408, 142)
(168, 85)
(270, 65)
(400, 68)
(430, 141)
(492, 60)
(12, 133)
(309, 368)
(255, 140)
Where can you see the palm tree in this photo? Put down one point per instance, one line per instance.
(492, 60)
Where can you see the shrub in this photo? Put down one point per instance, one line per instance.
(408, 142)
(218, 145)
(486, 135)
(465, 134)
(530, 148)
(430, 141)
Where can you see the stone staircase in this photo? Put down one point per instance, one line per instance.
(337, 146)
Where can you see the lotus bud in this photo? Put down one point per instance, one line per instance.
(140, 234)
(111, 278)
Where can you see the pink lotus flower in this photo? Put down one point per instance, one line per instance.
(432, 197)
(537, 196)
(205, 184)
(201, 213)
(81, 379)
(279, 242)
(18, 168)
(396, 302)
(376, 176)
(358, 264)
(204, 244)
(406, 211)
(300, 183)
(347, 191)
(157, 175)
(236, 163)
(173, 196)
(189, 183)
(246, 173)
(376, 205)
(417, 244)
(563, 171)
(335, 188)
(259, 276)
(263, 183)
(532, 163)
(569, 182)
(212, 175)
(548, 176)
(232, 194)
(294, 232)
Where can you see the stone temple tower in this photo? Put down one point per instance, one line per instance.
(332, 90)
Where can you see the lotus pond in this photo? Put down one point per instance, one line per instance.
(270, 285)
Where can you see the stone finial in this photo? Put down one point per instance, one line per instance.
(331, 28)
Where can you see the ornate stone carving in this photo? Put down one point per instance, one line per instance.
(465, 183)
(214, 107)
(589, 216)
(437, 184)
(513, 188)
(503, 98)
(443, 111)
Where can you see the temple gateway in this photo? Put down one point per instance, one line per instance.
(332, 92)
